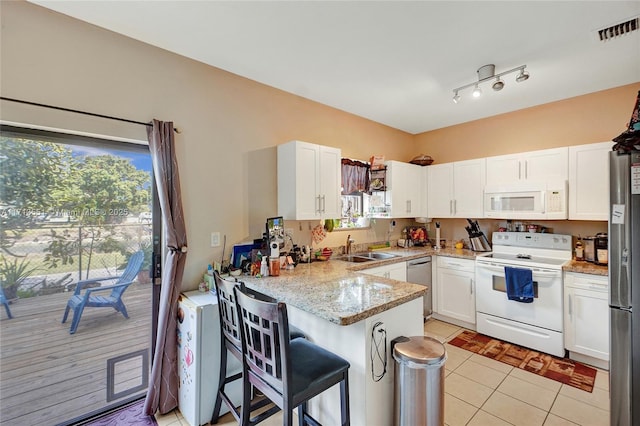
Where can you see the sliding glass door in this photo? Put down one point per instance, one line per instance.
(74, 212)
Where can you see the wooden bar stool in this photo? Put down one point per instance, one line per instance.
(288, 372)
(230, 342)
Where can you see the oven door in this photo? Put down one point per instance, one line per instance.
(546, 309)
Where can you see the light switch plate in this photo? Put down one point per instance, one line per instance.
(215, 239)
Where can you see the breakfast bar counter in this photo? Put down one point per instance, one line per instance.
(355, 315)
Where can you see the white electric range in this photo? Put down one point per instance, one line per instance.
(536, 325)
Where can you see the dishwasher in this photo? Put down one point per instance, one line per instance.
(419, 272)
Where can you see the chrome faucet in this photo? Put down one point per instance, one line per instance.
(348, 246)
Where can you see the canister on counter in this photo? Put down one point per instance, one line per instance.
(589, 248)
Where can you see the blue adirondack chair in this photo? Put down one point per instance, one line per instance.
(5, 302)
(79, 301)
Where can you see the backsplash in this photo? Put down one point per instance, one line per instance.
(451, 230)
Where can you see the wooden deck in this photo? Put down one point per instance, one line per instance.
(48, 376)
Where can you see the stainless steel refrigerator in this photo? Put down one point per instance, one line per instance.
(624, 287)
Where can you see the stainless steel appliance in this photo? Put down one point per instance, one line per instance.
(419, 272)
(624, 287)
(536, 325)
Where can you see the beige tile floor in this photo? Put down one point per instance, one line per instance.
(482, 392)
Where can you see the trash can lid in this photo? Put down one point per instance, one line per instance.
(420, 350)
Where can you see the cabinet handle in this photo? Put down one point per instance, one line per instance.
(526, 169)
(451, 207)
(471, 286)
(519, 169)
(570, 308)
(455, 207)
(324, 204)
(318, 210)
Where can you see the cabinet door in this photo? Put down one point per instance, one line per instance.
(395, 271)
(440, 192)
(306, 165)
(468, 187)
(587, 323)
(309, 180)
(297, 180)
(546, 165)
(503, 169)
(414, 189)
(398, 271)
(330, 172)
(456, 294)
(589, 181)
(405, 186)
(543, 165)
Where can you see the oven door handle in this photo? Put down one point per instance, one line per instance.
(500, 268)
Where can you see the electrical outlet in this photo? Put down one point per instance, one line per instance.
(215, 239)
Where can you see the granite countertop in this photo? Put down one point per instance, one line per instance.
(584, 267)
(340, 292)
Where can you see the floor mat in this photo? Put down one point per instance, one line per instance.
(130, 415)
(560, 369)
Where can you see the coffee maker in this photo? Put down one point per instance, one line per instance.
(602, 249)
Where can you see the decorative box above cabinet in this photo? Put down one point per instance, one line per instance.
(308, 181)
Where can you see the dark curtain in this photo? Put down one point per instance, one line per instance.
(355, 176)
(162, 394)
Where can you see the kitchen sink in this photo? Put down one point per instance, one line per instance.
(355, 258)
(366, 257)
(379, 256)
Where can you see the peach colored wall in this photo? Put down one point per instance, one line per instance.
(230, 125)
(596, 117)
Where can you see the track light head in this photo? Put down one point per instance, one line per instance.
(523, 76)
(498, 85)
(476, 92)
(456, 97)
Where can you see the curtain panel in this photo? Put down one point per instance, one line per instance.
(162, 394)
(355, 176)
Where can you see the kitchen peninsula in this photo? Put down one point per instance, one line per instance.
(342, 308)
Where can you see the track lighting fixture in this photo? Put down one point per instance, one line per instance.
(487, 73)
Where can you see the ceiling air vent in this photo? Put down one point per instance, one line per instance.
(618, 30)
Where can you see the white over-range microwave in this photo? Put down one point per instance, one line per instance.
(526, 200)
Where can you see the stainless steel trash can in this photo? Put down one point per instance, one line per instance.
(418, 397)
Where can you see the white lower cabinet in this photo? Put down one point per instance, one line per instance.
(394, 271)
(586, 316)
(454, 290)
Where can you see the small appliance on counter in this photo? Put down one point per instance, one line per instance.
(477, 238)
(602, 249)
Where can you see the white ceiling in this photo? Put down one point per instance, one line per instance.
(393, 62)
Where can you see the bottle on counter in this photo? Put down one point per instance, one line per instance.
(579, 249)
(264, 267)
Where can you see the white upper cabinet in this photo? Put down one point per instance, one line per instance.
(589, 181)
(405, 184)
(309, 180)
(456, 189)
(544, 165)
